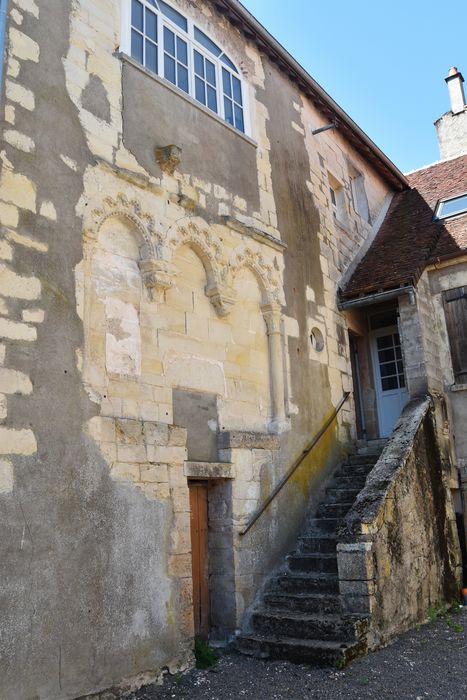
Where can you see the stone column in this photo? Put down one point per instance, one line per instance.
(272, 316)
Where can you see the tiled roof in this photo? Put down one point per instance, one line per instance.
(409, 238)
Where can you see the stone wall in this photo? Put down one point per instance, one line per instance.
(398, 553)
(122, 280)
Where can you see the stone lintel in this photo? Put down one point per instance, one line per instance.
(246, 440)
(255, 233)
(209, 470)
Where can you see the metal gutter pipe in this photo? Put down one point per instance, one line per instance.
(377, 297)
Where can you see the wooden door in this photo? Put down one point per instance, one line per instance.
(199, 548)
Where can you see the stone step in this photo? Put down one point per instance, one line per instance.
(323, 525)
(305, 583)
(363, 459)
(316, 653)
(341, 495)
(334, 510)
(355, 470)
(283, 623)
(326, 563)
(350, 482)
(312, 543)
(322, 603)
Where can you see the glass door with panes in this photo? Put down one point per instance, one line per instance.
(391, 392)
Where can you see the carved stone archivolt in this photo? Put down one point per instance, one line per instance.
(156, 252)
(218, 289)
(264, 273)
(158, 273)
(130, 210)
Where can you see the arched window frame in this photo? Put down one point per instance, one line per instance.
(223, 65)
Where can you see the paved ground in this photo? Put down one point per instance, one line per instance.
(429, 662)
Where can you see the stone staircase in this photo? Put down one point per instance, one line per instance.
(299, 616)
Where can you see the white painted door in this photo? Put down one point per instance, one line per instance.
(391, 392)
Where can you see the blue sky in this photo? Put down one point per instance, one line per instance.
(383, 61)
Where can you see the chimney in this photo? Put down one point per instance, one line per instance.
(456, 90)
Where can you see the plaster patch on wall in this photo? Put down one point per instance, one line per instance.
(6, 476)
(195, 372)
(122, 338)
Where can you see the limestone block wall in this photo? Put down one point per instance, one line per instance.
(421, 346)
(398, 554)
(123, 280)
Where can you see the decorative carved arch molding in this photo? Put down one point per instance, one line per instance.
(198, 237)
(271, 308)
(157, 274)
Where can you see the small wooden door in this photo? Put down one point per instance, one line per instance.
(199, 548)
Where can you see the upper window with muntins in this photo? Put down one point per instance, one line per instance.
(451, 206)
(170, 45)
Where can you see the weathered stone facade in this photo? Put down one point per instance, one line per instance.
(402, 529)
(153, 256)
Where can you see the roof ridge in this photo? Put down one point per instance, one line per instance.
(436, 162)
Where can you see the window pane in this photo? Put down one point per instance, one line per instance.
(398, 353)
(400, 367)
(200, 90)
(228, 62)
(199, 64)
(211, 73)
(182, 51)
(151, 25)
(390, 383)
(228, 111)
(239, 118)
(207, 42)
(226, 83)
(385, 342)
(137, 46)
(173, 15)
(386, 355)
(169, 68)
(402, 381)
(237, 90)
(151, 56)
(452, 206)
(137, 15)
(169, 41)
(182, 74)
(212, 99)
(388, 369)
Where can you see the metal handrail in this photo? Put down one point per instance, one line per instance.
(259, 511)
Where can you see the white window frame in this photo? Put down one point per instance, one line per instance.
(437, 216)
(193, 44)
(339, 208)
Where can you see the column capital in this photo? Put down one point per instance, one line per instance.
(272, 314)
(158, 275)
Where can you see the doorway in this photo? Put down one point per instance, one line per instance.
(200, 556)
(388, 366)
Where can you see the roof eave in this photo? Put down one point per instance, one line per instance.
(239, 16)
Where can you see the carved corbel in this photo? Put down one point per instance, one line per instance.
(168, 158)
(158, 275)
(221, 297)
